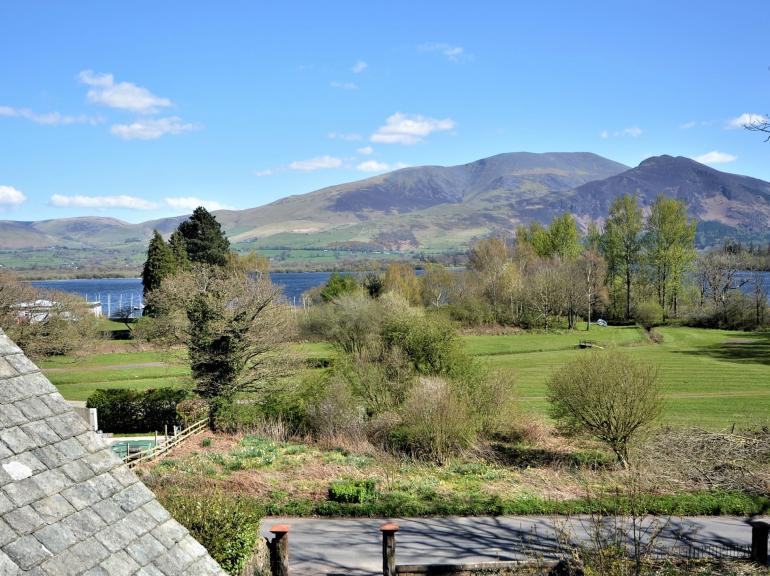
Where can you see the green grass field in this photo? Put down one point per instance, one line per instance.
(712, 378)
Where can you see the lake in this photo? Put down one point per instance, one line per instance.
(119, 292)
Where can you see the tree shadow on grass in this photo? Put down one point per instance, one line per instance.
(524, 456)
(751, 347)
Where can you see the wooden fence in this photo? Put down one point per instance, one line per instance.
(132, 460)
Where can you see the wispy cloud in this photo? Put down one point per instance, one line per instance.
(366, 150)
(375, 166)
(317, 163)
(10, 196)
(48, 118)
(121, 95)
(190, 203)
(152, 128)
(265, 172)
(630, 132)
(688, 125)
(715, 157)
(747, 119)
(348, 136)
(344, 85)
(409, 128)
(452, 53)
(359, 67)
(102, 202)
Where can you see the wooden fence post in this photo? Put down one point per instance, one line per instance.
(279, 550)
(389, 548)
(760, 530)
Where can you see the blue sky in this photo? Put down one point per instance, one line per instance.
(143, 109)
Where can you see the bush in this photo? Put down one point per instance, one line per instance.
(227, 526)
(352, 491)
(192, 410)
(338, 285)
(436, 421)
(128, 411)
(609, 395)
(648, 314)
(431, 343)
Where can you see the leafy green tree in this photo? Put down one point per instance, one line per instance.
(160, 263)
(401, 279)
(536, 236)
(669, 248)
(564, 237)
(622, 242)
(338, 285)
(203, 237)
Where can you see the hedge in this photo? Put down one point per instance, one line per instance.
(127, 411)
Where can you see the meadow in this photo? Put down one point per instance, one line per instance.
(712, 378)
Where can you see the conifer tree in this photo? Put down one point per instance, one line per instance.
(176, 244)
(203, 238)
(159, 264)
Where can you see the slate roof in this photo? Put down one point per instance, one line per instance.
(68, 505)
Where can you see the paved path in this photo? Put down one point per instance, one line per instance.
(354, 546)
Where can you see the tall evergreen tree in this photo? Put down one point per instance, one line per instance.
(622, 241)
(159, 263)
(176, 244)
(203, 237)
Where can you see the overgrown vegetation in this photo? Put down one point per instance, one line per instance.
(127, 411)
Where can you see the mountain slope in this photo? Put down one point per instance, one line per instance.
(428, 208)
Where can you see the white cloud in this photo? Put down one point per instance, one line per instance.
(350, 136)
(152, 128)
(409, 128)
(715, 157)
(375, 166)
(366, 150)
(191, 203)
(101, 202)
(10, 196)
(265, 172)
(359, 67)
(122, 95)
(48, 118)
(344, 85)
(452, 53)
(631, 131)
(688, 125)
(747, 119)
(317, 163)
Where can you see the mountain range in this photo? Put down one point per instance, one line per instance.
(426, 209)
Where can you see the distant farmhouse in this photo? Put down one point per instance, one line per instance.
(41, 309)
(68, 504)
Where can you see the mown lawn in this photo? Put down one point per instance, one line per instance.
(712, 378)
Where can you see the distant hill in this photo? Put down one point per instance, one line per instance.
(425, 209)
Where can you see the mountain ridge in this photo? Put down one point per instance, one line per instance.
(436, 208)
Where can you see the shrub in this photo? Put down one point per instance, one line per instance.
(431, 343)
(436, 421)
(609, 395)
(336, 412)
(227, 526)
(352, 491)
(349, 322)
(128, 411)
(192, 410)
(338, 285)
(648, 314)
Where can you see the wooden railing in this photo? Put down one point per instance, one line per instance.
(132, 460)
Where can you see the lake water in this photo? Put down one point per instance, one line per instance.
(120, 292)
(117, 293)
